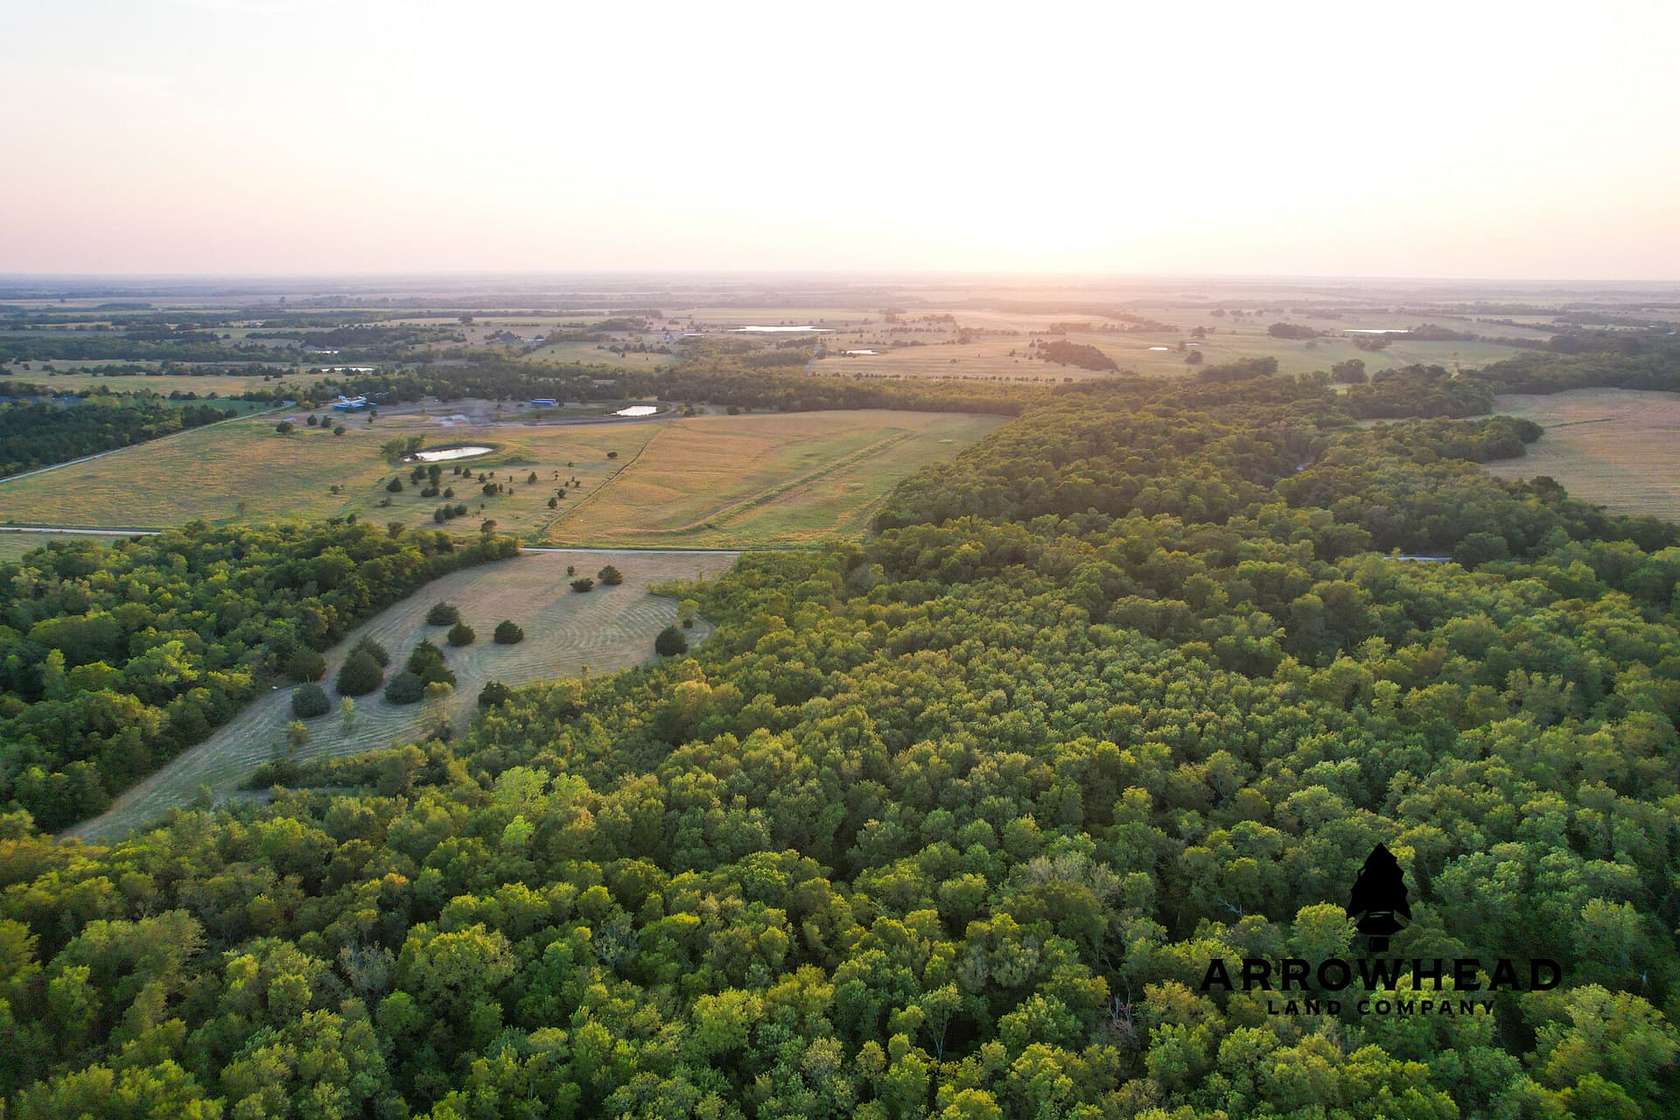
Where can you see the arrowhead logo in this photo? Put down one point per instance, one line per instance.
(1378, 905)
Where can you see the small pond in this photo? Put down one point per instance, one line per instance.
(445, 454)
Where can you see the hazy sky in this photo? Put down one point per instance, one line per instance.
(1464, 139)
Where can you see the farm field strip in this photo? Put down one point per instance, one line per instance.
(566, 634)
(1619, 448)
(753, 481)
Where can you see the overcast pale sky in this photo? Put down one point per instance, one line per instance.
(1465, 139)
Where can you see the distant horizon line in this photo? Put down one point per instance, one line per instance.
(8, 277)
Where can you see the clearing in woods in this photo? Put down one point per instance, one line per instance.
(752, 481)
(566, 633)
(1616, 447)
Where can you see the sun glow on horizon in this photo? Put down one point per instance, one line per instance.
(234, 137)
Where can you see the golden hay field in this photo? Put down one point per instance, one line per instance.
(1619, 448)
(745, 481)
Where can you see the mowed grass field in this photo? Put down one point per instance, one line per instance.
(566, 633)
(709, 481)
(1619, 448)
(749, 481)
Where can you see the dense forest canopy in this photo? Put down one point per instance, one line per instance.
(950, 823)
(114, 659)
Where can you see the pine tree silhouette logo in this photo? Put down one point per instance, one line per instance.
(1378, 905)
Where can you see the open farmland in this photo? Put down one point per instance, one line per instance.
(711, 481)
(247, 471)
(745, 481)
(566, 634)
(597, 354)
(1617, 447)
(995, 345)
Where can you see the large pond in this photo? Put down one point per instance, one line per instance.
(637, 410)
(445, 454)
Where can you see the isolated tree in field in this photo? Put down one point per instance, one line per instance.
(508, 633)
(487, 526)
(461, 635)
(312, 421)
(285, 427)
(338, 429)
(395, 485)
(554, 503)
(360, 675)
(584, 584)
(670, 642)
(305, 665)
(610, 576)
(493, 693)
(532, 479)
(612, 454)
(297, 736)
(310, 700)
(428, 664)
(571, 569)
(347, 712)
(687, 611)
(405, 688)
(443, 614)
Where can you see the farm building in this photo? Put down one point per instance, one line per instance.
(350, 404)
